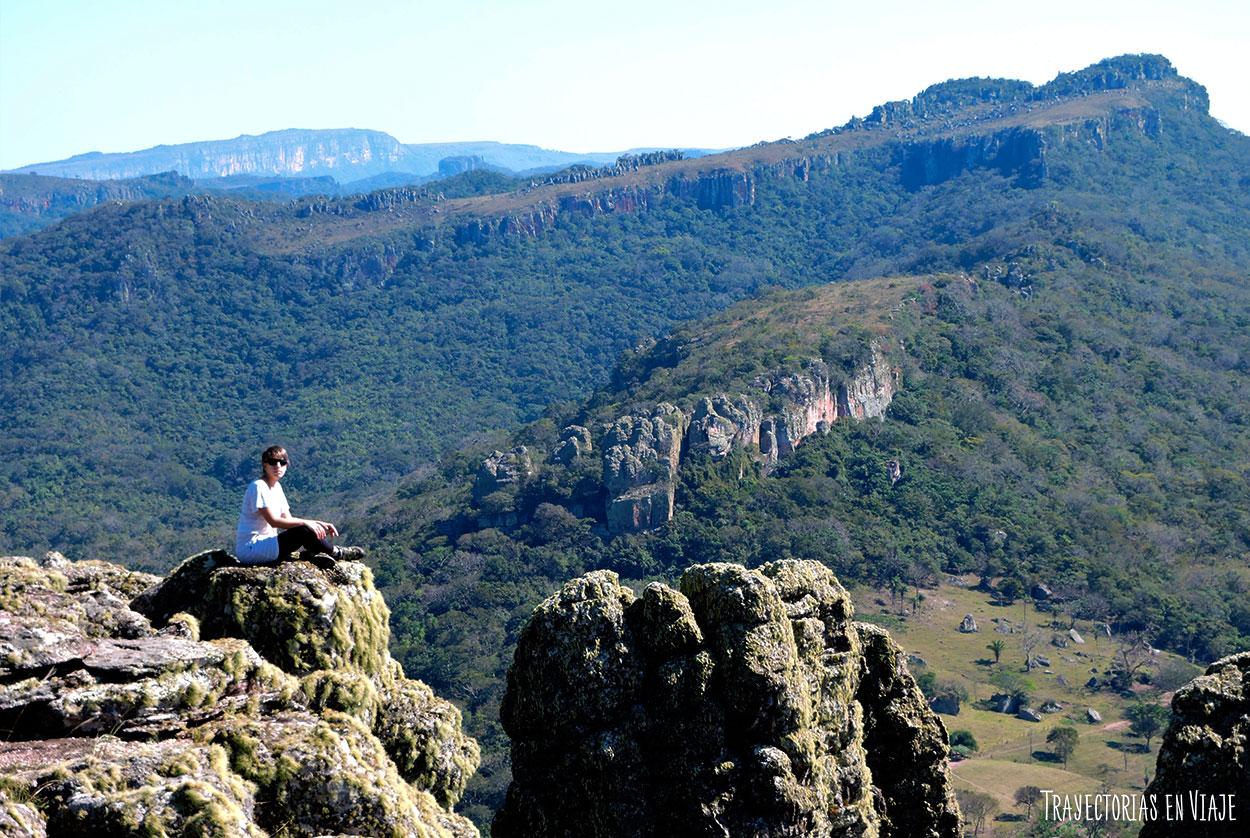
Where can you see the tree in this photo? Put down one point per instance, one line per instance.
(976, 806)
(997, 648)
(1146, 719)
(1014, 684)
(1132, 653)
(1030, 640)
(1062, 742)
(964, 739)
(1173, 675)
(1009, 590)
(1028, 796)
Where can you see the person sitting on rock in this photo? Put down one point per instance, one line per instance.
(268, 532)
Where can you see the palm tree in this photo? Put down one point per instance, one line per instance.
(997, 648)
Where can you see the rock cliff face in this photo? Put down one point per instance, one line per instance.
(347, 154)
(640, 460)
(223, 700)
(1206, 749)
(746, 703)
(642, 453)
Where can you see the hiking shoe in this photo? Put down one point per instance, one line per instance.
(349, 554)
(322, 560)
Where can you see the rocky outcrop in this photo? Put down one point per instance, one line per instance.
(640, 458)
(722, 423)
(501, 470)
(1015, 152)
(642, 451)
(1206, 749)
(806, 402)
(575, 442)
(222, 700)
(746, 703)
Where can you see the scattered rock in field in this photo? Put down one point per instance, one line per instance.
(1052, 707)
(1075, 636)
(1004, 703)
(968, 625)
(1093, 716)
(1028, 714)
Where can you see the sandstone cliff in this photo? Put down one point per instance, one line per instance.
(746, 703)
(222, 700)
(1206, 749)
(642, 451)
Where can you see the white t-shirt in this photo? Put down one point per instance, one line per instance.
(256, 540)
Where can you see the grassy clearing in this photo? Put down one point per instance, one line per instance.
(1013, 752)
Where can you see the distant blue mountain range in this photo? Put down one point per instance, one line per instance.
(346, 154)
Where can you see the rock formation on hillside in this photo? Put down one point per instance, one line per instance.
(747, 703)
(640, 460)
(1206, 749)
(222, 700)
(642, 452)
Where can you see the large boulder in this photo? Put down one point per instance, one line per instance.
(745, 703)
(222, 700)
(1206, 749)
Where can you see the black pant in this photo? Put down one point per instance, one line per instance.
(302, 538)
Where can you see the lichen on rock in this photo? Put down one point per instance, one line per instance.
(222, 700)
(736, 705)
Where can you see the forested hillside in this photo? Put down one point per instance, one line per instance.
(166, 341)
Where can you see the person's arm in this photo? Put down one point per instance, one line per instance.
(323, 529)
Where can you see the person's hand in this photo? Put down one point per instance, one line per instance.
(318, 528)
(331, 530)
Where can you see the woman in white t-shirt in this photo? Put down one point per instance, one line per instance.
(267, 531)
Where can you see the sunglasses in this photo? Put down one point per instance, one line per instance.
(276, 462)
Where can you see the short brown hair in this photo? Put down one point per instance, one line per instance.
(270, 453)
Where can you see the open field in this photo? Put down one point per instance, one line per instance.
(1014, 752)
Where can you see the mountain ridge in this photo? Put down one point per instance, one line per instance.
(347, 154)
(454, 292)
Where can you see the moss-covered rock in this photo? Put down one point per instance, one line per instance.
(324, 775)
(907, 742)
(91, 596)
(1206, 748)
(296, 615)
(248, 701)
(172, 787)
(147, 687)
(732, 706)
(19, 819)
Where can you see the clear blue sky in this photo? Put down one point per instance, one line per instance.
(119, 75)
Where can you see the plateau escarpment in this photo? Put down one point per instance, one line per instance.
(746, 702)
(223, 700)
